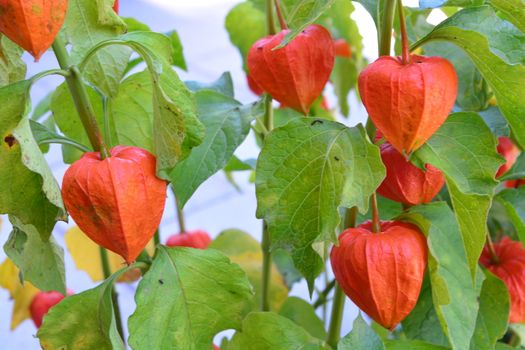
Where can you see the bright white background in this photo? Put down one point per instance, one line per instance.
(216, 205)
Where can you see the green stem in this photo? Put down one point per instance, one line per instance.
(156, 237)
(280, 16)
(336, 319)
(267, 262)
(323, 295)
(494, 258)
(385, 38)
(376, 223)
(268, 113)
(68, 142)
(405, 53)
(116, 308)
(80, 98)
(46, 73)
(180, 216)
(269, 17)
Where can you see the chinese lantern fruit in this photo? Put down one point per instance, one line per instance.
(342, 49)
(116, 6)
(509, 151)
(510, 268)
(42, 302)
(32, 24)
(408, 102)
(193, 239)
(256, 89)
(514, 183)
(406, 183)
(381, 272)
(117, 201)
(296, 74)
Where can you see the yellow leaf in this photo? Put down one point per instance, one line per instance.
(21, 294)
(86, 255)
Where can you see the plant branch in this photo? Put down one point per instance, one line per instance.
(80, 98)
(269, 17)
(280, 16)
(405, 53)
(323, 295)
(65, 141)
(376, 223)
(385, 38)
(494, 258)
(266, 273)
(180, 215)
(107, 272)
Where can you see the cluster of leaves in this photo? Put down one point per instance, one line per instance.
(308, 169)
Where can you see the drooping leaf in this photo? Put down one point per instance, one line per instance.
(465, 150)
(267, 331)
(40, 261)
(28, 190)
(495, 47)
(362, 337)
(187, 296)
(83, 29)
(223, 85)
(303, 314)
(453, 293)
(245, 24)
(514, 11)
(422, 323)
(83, 321)
(21, 294)
(308, 169)
(245, 251)
(12, 68)
(514, 202)
(227, 124)
(493, 314)
(300, 14)
(178, 54)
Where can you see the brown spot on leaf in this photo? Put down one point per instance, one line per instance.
(10, 140)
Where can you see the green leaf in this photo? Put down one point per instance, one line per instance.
(44, 136)
(223, 85)
(465, 150)
(495, 47)
(84, 29)
(43, 107)
(423, 323)
(344, 78)
(493, 314)
(362, 337)
(12, 67)
(178, 54)
(514, 202)
(187, 296)
(301, 14)
(308, 169)
(514, 11)
(245, 24)
(412, 345)
(227, 124)
(495, 121)
(284, 262)
(84, 321)
(303, 314)
(41, 262)
(28, 189)
(388, 208)
(517, 171)
(269, 331)
(235, 164)
(245, 251)
(453, 293)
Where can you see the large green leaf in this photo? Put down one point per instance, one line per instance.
(303, 314)
(308, 169)
(245, 24)
(422, 323)
(493, 314)
(83, 321)
(514, 202)
(465, 150)
(40, 261)
(12, 68)
(28, 189)
(269, 331)
(495, 47)
(453, 292)
(362, 337)
(244, 250)
(412, 345)
(187, 296)
(86, 25)
(227, 124)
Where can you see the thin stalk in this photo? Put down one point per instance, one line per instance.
(268, 113)
(269, 17)
(376, 223)
(350, 217)
(336, 320)
(323, 295)
(156, 237)
(62, 141)
(180, 216)
(266, 273)
(494, 258)
(116, 308)
(80, 98)
(280, 16)
(405, 53)
(385, 36)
